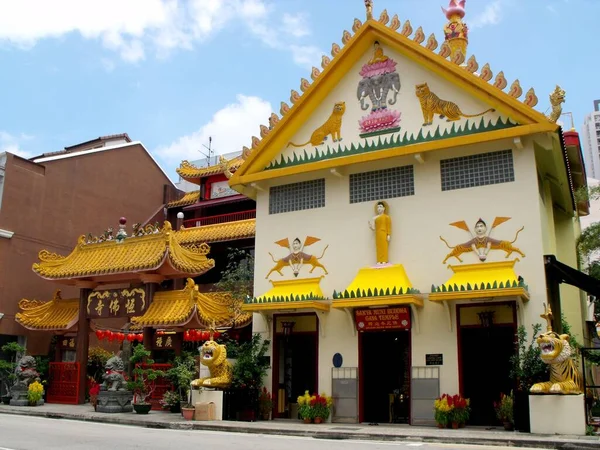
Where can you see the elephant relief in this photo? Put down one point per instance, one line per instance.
(377, 89)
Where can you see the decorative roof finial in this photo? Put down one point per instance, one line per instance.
(456, 31)
(369, 6)
(548, 316)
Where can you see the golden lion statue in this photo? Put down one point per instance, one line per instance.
(214, 356)
(565, 377)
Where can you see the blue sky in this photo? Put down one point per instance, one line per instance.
(173, 72)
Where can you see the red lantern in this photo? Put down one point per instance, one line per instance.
(216, 335)
(100, 334)
(121, 337)
(130, 337)
(205, 335)
(140, 337)
(110, 335)
(186, 336)
(195, 335)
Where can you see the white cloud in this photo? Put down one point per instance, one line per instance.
(230, 129)
(132, 28)
(491, 15)
(12, 144)
(306, 56)
(108, 64)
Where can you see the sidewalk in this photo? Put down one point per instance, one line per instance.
(383, 432)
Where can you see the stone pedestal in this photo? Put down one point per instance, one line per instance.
(557, 414)
(114, 401)
(204, 395)
(19, 397)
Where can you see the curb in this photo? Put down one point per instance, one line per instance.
(558, 444)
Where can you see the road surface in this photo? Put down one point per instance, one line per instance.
(35, 433)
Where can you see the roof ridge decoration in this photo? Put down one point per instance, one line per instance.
(445, 51)
(189, 171)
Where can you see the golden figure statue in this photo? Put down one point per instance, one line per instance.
(382, 225)
(565, 377)
(557, 98)
(481, 243)
(456, 31)
(369, 7)
(214, 356)
(378, 56)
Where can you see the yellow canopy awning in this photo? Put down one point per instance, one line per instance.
(304, 293)
(484, 280)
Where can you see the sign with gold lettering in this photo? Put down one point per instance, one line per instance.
(116, 303)
(165, 341)
(66, 342)
(382, 319)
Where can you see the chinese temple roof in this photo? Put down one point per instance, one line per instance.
(194, 174)
(188, 199)
(56, 314)
(189, 306)
(228, 231)
(110, 258)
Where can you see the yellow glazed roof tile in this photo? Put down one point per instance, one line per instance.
(56, 314)
(188, 199)
(228, 231)
(146, 251)
(177, 308)
(193, 174)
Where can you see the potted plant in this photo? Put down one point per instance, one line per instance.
(305, 409)
(505, 410)
(265, 404)
(442, 409)
(172, 401)
(94, 391)
(8, 366)
(527, 368)
(35, 391)
(181, 375)
(459, 413)
(143, 376)
(321, 405)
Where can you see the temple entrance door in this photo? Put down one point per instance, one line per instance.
(484, 356)
(295, 356)
(385, 369)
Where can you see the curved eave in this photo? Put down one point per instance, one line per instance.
(222, 232)
(518, 292)
(392, 300)
(311, 305)
(188, 199)
(55, 315)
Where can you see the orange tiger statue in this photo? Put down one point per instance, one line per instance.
(565, 377)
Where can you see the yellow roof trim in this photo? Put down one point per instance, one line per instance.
(386, 281)
(188, 199)
(193, 174)
(146, 252)
(366, 302)
(274, 140)
(315, 305)
(178, 308)
(479, 294)
(54, 315)
(303, 293)
(229, 231)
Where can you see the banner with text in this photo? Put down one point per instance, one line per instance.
(382, 319)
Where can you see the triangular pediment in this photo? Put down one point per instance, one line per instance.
(384, 95)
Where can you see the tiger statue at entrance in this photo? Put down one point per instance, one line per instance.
(214, 356)
(565, 377)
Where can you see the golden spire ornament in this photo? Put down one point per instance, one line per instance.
(369, 7)
(455, 31)
(548, 316)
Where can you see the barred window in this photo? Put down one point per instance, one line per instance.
(297, 196)
(382, 184)
(477, 170)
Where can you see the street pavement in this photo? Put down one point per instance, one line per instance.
(34, 433)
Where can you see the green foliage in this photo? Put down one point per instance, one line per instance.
(182, 374)
(238, 276)
(505, 408)
(527, 367)
(8, 366)
(143, 374)
(252, 364)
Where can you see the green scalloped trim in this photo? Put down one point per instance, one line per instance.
(481, 287)
(373, 293)
(283, 299)
(399, 140)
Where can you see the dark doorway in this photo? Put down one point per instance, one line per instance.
(485, 364)
(385, 365)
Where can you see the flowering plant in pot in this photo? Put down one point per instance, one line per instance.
(460, 410)
(505, 410)
(442, 410)
(35, 391)
(305, 410)
(321, 406)
(265, 403)
(172, 401)
(94, 391)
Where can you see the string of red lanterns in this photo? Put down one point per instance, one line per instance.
(188, 335)
(111, 336)
(199, 335)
